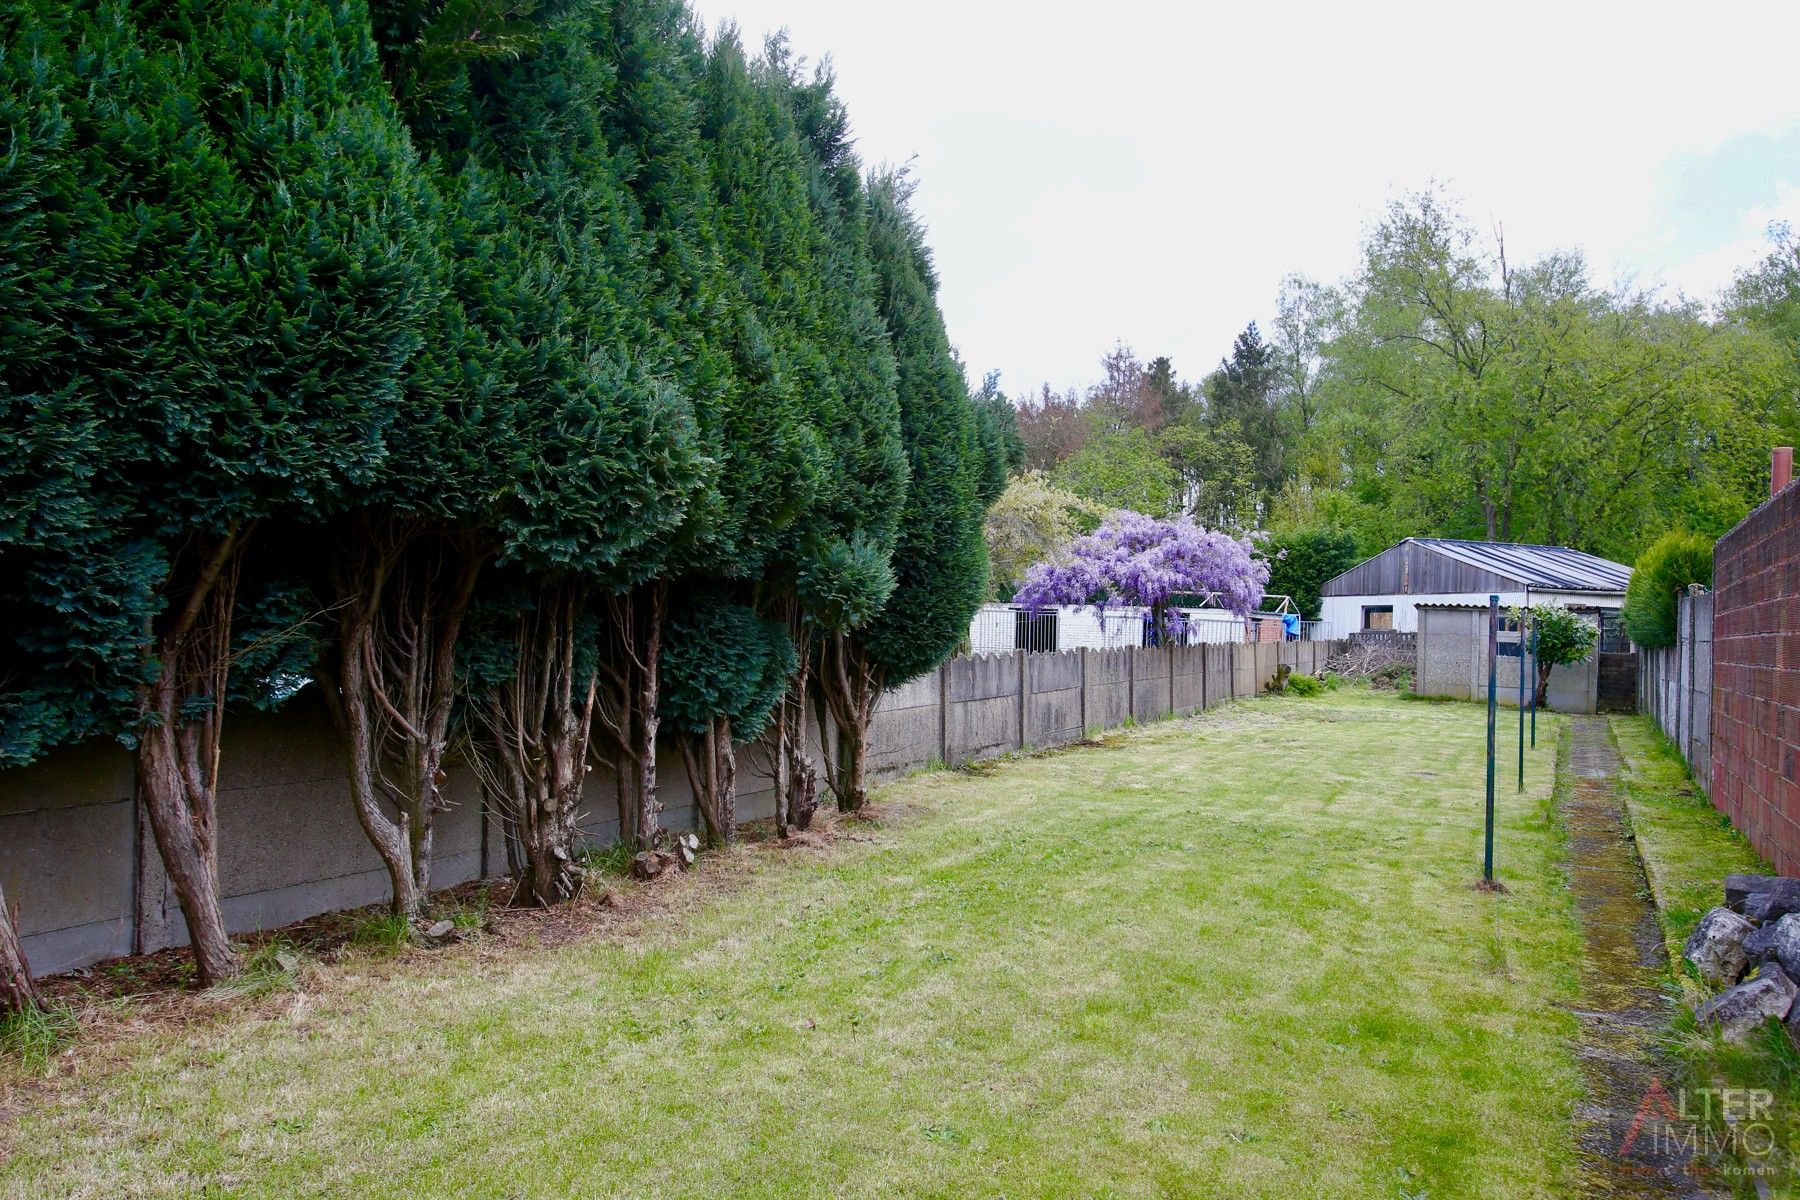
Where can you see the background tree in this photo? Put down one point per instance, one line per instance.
(1125, 469)
(1002, 446)
(1051, 426)
(1562, 639)
(1243, 392)
(1033, 521)
(1301, 562)
(1670, 564)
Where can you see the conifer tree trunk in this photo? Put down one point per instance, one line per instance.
(17, 990)
(802, 778)
(531, 741)
(182, 713)
(628, 705)
(711, 762)
(403, 594)
(850, 687)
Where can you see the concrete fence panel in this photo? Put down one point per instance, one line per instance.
(986, 707)
(1150, 684)
(1053, 699)
(908, 727)
(1190, 679)
(88, 883)
(1109, 687)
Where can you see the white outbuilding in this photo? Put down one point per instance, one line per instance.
(1384, 592)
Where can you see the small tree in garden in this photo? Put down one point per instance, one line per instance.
(1563, 639)
(1671, 562)
(1133, 559)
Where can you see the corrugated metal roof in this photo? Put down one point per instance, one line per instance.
(1556, 567)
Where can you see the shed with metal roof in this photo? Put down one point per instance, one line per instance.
(1385, 591)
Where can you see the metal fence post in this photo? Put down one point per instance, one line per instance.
(1493, 697)
(1521, 701)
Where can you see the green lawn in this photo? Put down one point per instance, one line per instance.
(1238, 956)
(1688, 848)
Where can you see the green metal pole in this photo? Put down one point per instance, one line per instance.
(1534, 687)
(1487, 862)
(1521, 701)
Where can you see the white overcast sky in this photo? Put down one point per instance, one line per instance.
(1148, 172)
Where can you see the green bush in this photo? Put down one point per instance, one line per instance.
(1305, 685)
(1672, 561)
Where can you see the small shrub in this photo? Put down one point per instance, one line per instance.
(613, 859)
(35, 1035)
(1304, 685)
(273, 966)
(385, 931)
(1278, 684)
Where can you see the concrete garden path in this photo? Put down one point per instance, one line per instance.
(1623, 1008)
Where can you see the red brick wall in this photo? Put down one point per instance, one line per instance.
(1756, 679)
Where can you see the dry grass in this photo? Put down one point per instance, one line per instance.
(1233, 956)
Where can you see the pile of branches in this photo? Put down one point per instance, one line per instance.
(1384, 660)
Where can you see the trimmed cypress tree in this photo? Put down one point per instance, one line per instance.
(608, 464)
(725, 671)
(245, 288)
(831, 573)
(940, 560)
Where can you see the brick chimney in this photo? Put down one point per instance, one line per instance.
(1781, 469)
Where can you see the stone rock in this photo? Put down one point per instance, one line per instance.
(1739, 888)
(1759, 946)
(1773, 904)
(1785, 939)
(1716, 947)
(440, 931)
(1740, 1011)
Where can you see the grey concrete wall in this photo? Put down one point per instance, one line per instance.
(1675, 684)
(907, 729)
(1190, 679)
(1219, 660)
(1451, 662)
(87, 883)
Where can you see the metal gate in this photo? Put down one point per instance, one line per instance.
(1617, 691)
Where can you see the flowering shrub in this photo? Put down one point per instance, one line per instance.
(1133, 559)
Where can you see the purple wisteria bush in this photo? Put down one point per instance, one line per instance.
(1133, 559)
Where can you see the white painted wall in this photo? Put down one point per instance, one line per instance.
(1342, 615)
(993, 628)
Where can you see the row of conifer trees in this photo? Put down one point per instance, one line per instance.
(526, 379)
